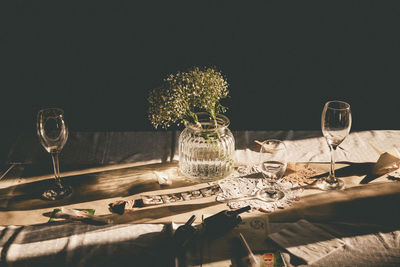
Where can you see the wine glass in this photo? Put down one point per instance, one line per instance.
(273, 164)
(335, 125)
(53, 134)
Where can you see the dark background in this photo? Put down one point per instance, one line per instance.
(98, 60)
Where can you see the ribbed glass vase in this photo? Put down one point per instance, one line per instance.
(206, 149)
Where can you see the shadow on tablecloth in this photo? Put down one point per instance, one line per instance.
(92, 186)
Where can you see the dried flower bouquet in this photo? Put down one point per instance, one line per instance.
(184, 94)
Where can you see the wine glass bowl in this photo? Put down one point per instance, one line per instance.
(273, 165)
(335, 125)
(52, 129)
(273, 159)
(53, 134)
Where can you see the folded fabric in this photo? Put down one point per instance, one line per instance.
(306, 241)
(388, 161)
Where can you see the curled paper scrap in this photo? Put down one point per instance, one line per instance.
(162, 178)
(388, 161)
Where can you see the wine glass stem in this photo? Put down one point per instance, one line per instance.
(332, 177)
(56, 167)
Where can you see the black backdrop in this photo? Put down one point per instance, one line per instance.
(283, 60)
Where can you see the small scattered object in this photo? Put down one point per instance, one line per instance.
(85, 215)
(162, 178)
(63, 214)
(120, 206)
(249, 260)
(273, 259)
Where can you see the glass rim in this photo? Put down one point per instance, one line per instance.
(203, 117)
(345, 105)
(60, 110)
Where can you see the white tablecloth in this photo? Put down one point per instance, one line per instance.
(153, 147)
(24, 246)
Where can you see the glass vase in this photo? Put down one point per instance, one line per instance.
(206, 149)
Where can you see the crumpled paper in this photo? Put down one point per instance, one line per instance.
(388, 161)
(163, 178)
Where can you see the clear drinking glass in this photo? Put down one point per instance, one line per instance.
(273, 161)
(335, 125)
(53, 134)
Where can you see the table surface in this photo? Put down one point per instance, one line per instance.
(105, 167)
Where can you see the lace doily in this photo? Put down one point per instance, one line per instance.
(247, 181)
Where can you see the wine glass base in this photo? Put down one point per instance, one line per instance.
(272, 194)
(57, 193)
(324, 185)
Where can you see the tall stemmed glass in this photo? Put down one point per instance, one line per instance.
(335, 125)
(53, 134)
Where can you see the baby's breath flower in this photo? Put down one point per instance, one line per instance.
(184, 94)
